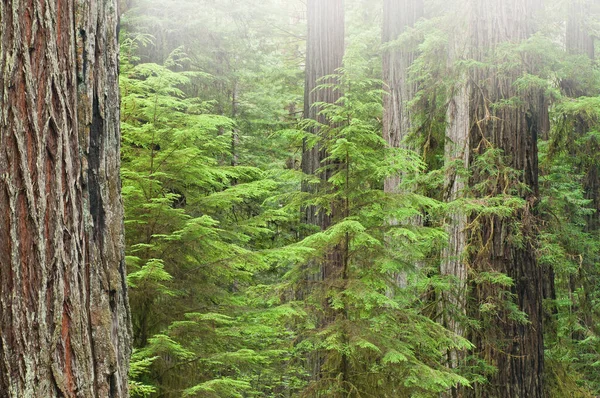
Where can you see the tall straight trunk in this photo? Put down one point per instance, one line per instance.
(453, 262)
(579, 41)
(398, 15)
(324, 56)
(506, 245)
(64, 316)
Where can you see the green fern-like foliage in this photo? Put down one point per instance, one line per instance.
(192, 222)
(369, 335)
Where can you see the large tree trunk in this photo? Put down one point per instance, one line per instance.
(506, 245)
(64, 317)
(453, 262)
(324, 55)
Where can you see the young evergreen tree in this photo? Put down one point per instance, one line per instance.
(64, 313)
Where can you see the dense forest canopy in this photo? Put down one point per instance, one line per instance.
(356, 198)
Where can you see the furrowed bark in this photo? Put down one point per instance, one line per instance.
(506, 245)
(454, 261)
(398, 15)
(64, 317)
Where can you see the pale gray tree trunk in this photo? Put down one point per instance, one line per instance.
(398, 16)
(324, 56)
(454, 258)
(64, 316)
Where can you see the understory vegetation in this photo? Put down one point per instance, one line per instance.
(425, 267)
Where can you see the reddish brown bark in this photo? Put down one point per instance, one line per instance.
(64, 316)
(506, 245)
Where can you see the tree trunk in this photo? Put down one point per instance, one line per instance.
(579, 41)
(324, 55)
(398, 15)
(454, 262)
(506, 245)
(64, 316)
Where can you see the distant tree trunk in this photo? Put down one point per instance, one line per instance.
(506, 245)
(324, 55)
(235, 134)
(579, 41)
(398, 15)
(64, 316)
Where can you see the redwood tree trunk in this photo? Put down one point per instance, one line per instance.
(506, 245)
(453, 261)
(579, 41)
(324, 55)
(64, 317)
(398, 15)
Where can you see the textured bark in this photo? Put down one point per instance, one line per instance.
(515, 348)
(454, 263)
(324, 55)
(64, 317)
